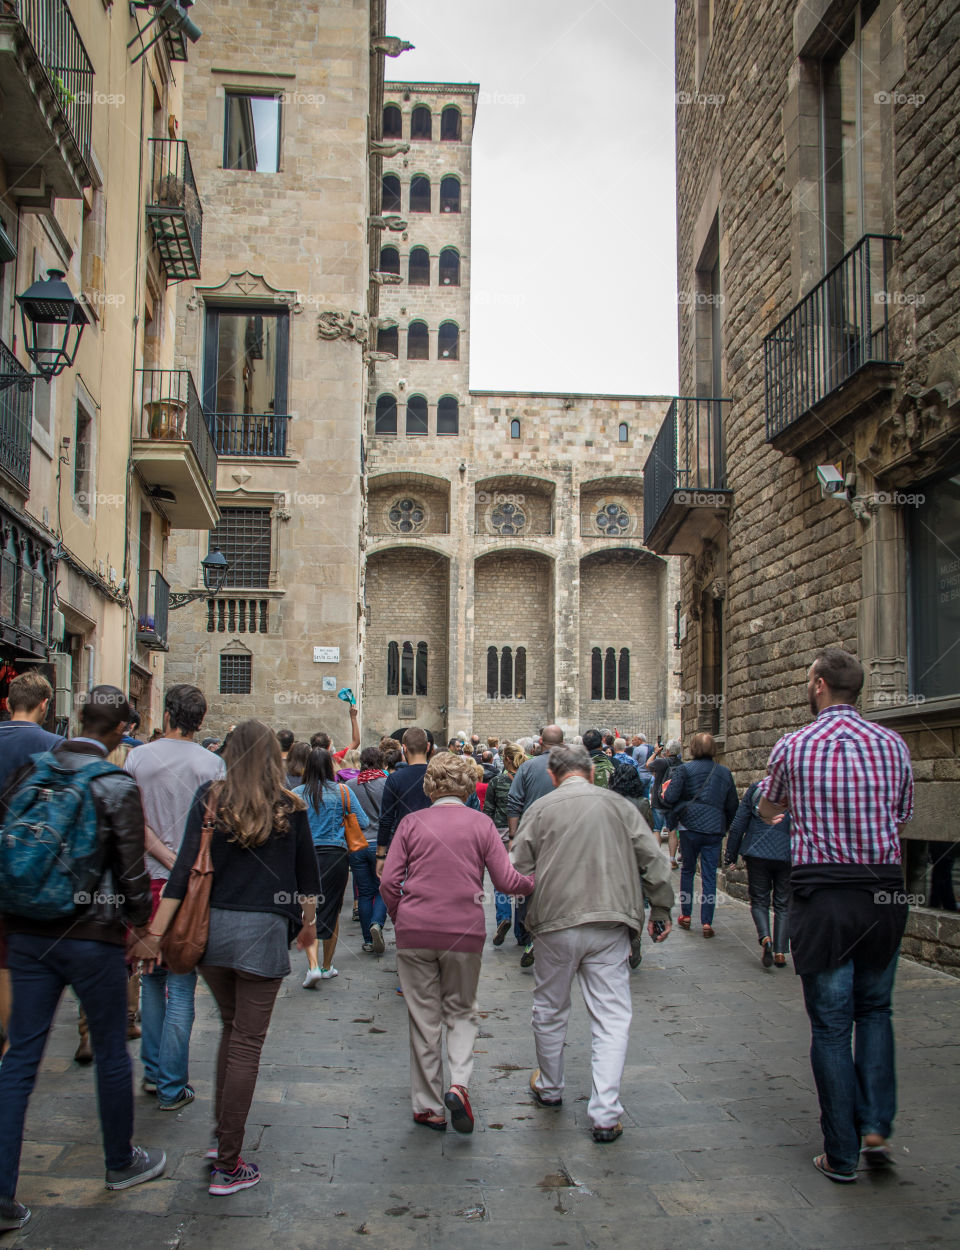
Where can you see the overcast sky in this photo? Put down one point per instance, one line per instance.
(574, 212)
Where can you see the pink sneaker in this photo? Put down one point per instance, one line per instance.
(244, 1176)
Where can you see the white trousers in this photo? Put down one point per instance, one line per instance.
(597, 954)
(439, 989)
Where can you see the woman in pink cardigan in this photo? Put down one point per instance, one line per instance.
(432, 885)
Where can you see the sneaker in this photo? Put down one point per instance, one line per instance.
(526, 959)
(603, 1135)
(376, 937)
(185, 1098)
(635, 958)
(244, 1176)
(148, 1086)
(13, 1215)
(503, 928)
(145, 1165)
(327, 974)
(367, 948)
(313, 978)
(212, 1152)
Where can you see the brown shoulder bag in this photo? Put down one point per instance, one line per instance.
(186, 939)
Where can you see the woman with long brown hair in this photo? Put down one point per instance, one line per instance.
(264, 869)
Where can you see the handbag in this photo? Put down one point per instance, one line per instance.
(186, 939)
(356, 839)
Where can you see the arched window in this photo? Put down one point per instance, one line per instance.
(418, 341)
(623, 677)
(609, 673)
(421, 123)
(418, 268)
(389, 260)
(450, 194)
(450, 124)
(386, 420)
(420, 684)
(448, 341)
(389, 341)
(596, 674)
(449, 267)
(624, 432)
(390, 194)
(514, 429)
(493, 673)
(448, 415)
(392, 122)
(416, 415)
(420, 194)
(393, 668)
(406, 669)
(506, 673)
(520, 673)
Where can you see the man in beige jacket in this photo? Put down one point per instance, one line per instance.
(590, 850)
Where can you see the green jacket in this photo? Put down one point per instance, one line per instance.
(495, 800)
(602, 768)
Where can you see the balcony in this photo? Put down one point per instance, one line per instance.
(173, 451)
(47, 101)
(16, 415)
(685, 495)
(153, 613)
(174, 210)
(830, 356)
(248, 434)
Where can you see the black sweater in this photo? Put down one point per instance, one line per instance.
(264, 878)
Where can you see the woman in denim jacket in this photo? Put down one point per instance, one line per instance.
(766, 848)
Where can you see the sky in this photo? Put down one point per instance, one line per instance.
(574, 204)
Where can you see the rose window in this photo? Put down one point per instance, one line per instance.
(613, 519)
(508, 519)
(406, 516)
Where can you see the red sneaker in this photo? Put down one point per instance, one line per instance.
(458, 1104)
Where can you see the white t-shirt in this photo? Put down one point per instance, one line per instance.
(169, 773)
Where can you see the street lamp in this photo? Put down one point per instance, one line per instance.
(215, 568)
(50, 302)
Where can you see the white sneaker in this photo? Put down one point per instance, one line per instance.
(376, 937)
(312, 979)
(327, 974)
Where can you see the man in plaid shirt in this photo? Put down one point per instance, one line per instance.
(848, 787)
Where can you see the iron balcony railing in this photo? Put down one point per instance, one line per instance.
(174, 209)
(687, 456)
(170, 410)
(840, 326)
(248, 434)
(16, 416)
(152, 618)
(56, 41)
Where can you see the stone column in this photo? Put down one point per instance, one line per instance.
(460, 612)
(881, 615)
(566, 605)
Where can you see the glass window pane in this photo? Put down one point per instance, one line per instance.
(421, 671)
(934, 568)
(610, 674)
(252, 133)
(596, 674)
(393, 668)
(246, 379)
(493, 673)
(406, 669)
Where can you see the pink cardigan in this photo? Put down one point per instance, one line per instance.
(432, 880)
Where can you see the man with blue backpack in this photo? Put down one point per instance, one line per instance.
(72, 879)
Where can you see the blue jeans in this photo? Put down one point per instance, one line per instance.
(856, 1085)
(166, 1022)
(40, 970)
(706, 847)
(372, 908)
(659, 820)
(504, 909)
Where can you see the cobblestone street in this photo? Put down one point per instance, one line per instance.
(721, 1125)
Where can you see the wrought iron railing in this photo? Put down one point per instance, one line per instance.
(152, 617)
(174, 209)
(840, 326)
(248, 434)
(16, 416)
(170, 410)
(687, 456)
(55, 39)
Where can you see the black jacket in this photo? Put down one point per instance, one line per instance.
(123, 893)
(750, 835)
(716, 801)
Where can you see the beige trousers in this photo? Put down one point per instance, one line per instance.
(439, 988)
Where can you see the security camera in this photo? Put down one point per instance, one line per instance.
(831, 480)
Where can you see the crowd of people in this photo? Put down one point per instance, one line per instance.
(262, 835)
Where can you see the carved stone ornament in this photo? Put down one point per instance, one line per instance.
(612, 519)
(390, 45)
(339, 325)
(388, 150)
(383, 323)
(386, 279)
(718, 588)
(908, 434)
(507, 517)
(389, 222)
(406, 515)
(248, 287)
(375, 358)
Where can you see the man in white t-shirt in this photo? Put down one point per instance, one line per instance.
(169, 772)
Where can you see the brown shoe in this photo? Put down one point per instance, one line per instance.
(683, 922)
(133, 1029)
(708, 931)
(84, 1052)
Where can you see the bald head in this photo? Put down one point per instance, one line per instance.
(552, 736)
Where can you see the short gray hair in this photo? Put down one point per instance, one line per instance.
(619, 744)
(673, 746)
(569, 758)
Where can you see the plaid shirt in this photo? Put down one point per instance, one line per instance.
(848, 784)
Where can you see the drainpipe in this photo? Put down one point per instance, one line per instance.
(89, 648)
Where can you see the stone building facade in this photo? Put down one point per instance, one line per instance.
(817, 255)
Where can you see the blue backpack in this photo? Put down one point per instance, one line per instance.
(50, 855)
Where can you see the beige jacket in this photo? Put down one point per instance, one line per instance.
(585, 844)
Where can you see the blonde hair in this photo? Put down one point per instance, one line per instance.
(513, 756)
(450, 776)
(351, 759)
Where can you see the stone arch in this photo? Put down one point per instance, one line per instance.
(612, 507)
(430, 494)
(514, 505)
